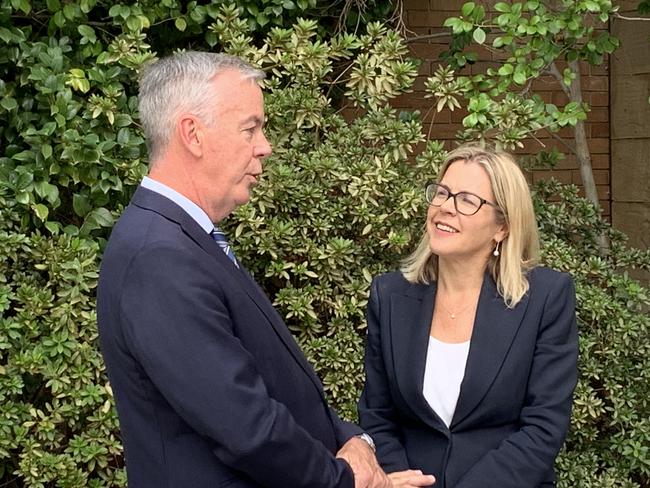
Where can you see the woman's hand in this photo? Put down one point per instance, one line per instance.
(410, 478)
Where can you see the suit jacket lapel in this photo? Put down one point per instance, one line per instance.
(495, 327)
(410, 324)
(266, 307)
(157, 203)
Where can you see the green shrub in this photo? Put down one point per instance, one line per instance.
(339, 202)
(57, 421)
(73, 153)
(336, 204)
(609, 441)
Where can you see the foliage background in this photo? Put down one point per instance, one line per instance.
(340, 201)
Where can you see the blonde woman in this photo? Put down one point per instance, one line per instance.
(471, 359)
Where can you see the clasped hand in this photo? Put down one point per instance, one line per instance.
(368, 473)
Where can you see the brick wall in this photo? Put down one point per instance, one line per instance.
(426, 17)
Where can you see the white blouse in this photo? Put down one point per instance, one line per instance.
(443, 374)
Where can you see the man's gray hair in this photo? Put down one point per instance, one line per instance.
(182, 83)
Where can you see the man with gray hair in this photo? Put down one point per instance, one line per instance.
(211, 389)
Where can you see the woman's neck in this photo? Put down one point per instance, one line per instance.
(455, 277)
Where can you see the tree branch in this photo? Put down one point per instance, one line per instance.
(428, 36)
(623, 17)
(560, 79)
(398, 19)
(561, 141)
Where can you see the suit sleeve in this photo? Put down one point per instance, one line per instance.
(344, 430)
(525, 457)
(177, 323)
(377, 414)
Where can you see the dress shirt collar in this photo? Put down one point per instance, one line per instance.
(192, 209)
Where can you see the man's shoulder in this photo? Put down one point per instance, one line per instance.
(149, 216)
(133, 227)
(138, 232)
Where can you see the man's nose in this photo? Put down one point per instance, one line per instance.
(263, 148)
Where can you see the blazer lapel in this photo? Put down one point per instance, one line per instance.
(153, 201)
(495, 327)
(410, 324)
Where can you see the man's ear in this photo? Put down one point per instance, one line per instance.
(190, 134)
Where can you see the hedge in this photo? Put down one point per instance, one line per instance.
(340, 201)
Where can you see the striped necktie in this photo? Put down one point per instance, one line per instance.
(220, 238)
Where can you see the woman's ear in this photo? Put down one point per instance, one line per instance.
(502, 233)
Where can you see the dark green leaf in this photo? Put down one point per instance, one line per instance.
(101, 217)
(81, 205)
(87, 31)
(8, 103)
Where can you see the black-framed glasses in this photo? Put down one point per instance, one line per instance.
(466, 203)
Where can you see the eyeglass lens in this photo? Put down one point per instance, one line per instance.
(466, 203)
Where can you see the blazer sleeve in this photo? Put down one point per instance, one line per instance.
(176, 322)
(377, 413)
(525, 457)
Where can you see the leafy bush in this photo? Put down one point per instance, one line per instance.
(336, 203)
(609, 441)
(340, 201)
(73, 153)
(57, 421)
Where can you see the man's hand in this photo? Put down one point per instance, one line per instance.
(411, 478)
(366, 469)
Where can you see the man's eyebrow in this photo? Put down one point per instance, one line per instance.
(253, 118)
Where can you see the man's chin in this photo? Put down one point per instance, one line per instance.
(243, 199)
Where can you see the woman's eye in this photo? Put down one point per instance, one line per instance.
(471, 200)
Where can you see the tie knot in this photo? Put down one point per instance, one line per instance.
(218, 235)
(220, 238)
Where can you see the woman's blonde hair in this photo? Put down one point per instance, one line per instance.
(519, 250)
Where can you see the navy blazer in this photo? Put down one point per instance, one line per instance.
(515, 399)
(211, 388)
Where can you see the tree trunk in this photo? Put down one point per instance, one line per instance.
(574, 92)
(580, 137)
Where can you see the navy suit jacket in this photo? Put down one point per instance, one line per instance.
(515, 398)
(211, 388)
